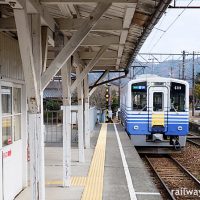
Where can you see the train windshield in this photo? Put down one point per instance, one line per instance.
(177, 97)
(158, 101)
(139, 96)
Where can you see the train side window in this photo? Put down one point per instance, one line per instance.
(139, 96)
(158, 101)
(177, 97)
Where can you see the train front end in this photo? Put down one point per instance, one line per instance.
(157, 112)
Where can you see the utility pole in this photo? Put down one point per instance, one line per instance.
(133, 72)
(183, 70)
(109, 99)
(152, 66)
(171, 72)
(193, 85)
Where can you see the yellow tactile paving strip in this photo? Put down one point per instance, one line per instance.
(94, 185)
(78, 181)
(75, 181)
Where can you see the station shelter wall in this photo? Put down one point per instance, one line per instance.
(12, 120)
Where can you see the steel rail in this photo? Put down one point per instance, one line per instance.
(185, 170)
(159, 177)
(181, 167)
(193, 142)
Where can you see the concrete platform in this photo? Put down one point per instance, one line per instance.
(115, 184)
(103, 175)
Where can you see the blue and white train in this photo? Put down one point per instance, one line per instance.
(155, 111)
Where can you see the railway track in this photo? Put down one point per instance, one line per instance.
(194, 140)
(178, 182)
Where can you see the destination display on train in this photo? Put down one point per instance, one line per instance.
(139, 87)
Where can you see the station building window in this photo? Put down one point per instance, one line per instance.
(11, 114)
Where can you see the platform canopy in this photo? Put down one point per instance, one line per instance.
(104, 34)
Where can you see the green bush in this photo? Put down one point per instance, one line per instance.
(52, 105)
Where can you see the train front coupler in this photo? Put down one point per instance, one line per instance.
(175, 142)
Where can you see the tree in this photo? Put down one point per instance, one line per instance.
(114, 101)
(98, 98)
(197, 91)
(52, 105)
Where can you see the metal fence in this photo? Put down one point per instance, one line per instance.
(54, 127)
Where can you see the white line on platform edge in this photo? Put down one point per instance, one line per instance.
(126, 170)
(148, 193)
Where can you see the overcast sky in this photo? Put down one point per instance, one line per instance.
(184, 34)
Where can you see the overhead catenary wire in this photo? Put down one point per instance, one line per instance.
(177, 64)
(157, 29)
(173, 22)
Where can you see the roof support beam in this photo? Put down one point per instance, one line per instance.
(25, 45)
(90, 55)
(50, 37)
(8, 24)
(77, 61)
(126, 24)
(104, 67)
(102, 25)
(108, 55)
(100, 41)
(103, 63)
(33, 6)
(127, 2)
(98, 80)
(44, 47)
(73, 43)
(87, 69)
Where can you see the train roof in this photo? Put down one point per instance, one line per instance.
(154, 78)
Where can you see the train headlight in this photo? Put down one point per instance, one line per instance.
(180, 128)
(136, 127)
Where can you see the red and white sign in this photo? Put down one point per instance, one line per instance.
(7, 154)
(9, 140)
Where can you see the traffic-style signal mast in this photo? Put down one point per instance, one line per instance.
(107, 96)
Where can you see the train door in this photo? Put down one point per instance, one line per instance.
(158, 109)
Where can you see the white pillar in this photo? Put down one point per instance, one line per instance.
(87, 110)
(40, 122)
(80, 119)
(36, 141)
(34, 128)
(66, 83)
(39, 126)
(29, 36)
(66, 146)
